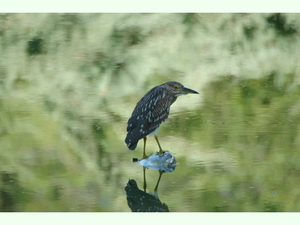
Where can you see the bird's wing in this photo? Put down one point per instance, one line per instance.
(148, 114)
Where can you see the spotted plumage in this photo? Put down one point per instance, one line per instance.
(152, 110)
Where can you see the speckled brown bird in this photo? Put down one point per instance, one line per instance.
(151, 111)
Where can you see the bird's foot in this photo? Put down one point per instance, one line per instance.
(161, 152)
(145, 156)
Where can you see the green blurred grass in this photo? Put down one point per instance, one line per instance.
(68, 83)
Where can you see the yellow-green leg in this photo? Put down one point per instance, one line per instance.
(144, 152)
(160, 149)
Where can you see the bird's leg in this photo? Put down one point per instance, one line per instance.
(160, 174)
(160, 149)
(144, 168)
(144, 152)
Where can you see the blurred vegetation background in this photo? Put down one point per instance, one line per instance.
(69, 82)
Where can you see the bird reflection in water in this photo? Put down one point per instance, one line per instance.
(141, 201)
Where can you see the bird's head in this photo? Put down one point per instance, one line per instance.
(178, 89)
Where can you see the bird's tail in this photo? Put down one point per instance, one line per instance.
(130, 144)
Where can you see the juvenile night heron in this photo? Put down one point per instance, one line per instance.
(151, 111)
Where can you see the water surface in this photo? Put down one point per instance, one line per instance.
(69, 83)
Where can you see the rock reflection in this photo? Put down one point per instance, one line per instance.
(141, 201)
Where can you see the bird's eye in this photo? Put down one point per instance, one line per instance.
(176, 87)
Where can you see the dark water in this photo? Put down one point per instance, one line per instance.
(69, 83)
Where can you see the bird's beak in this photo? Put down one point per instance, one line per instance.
(188, 91)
